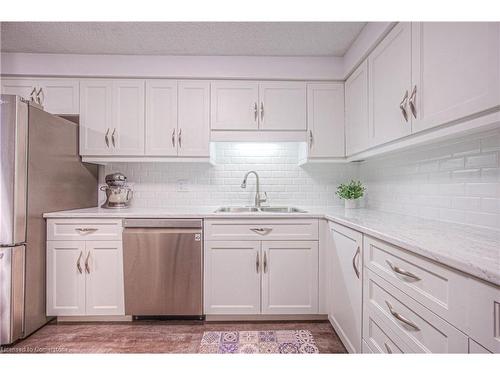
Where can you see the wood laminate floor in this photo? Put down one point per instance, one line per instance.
(154, 336)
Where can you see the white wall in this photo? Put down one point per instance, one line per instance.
(457, 181)
(284, 181)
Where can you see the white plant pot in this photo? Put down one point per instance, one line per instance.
(351, 203)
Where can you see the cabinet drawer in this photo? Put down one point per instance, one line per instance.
(380, 338)
(419, 328)
(435, 286)
(243, 230)
(84, 229)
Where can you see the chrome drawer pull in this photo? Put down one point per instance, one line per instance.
(86, 230)
(387, 348)
(401, 318)
(265, 262)
(255, 111)
(257, 263)
(402, 271)
(78, 266)
(413, 98)
(261, 230)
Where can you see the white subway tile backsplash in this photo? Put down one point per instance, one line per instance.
(456, 180)
(156, 184)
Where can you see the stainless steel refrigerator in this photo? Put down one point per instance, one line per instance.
(40, 171)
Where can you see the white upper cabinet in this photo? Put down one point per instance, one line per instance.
(248, 105)
(234, 105)
(96, 120)
(455, 71)
(161, 117)
(325, 119)
(290, 277)
(25, 88)
(193, 126)
(389, 78)
(58, 96)
(282, 105)
(127, 135)
(112, 117)
(356, 110)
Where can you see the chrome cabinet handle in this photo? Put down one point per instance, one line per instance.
(387, 348)
(32, 99)
(173, 138)
(261, 111)
(354, 261)
(265, 261)
(78, 266)
(413, 98)
(179, 140)
(113, 137)
(311, 139)
(257, 262)
(38, 99)
(255, 112)
(106, 139)
(401, 318)
(402, 106)
(87, 267)
(261, 230)
(401, 271)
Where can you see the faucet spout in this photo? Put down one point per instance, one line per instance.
(258, 199)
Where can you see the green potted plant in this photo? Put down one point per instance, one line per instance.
(351, 193)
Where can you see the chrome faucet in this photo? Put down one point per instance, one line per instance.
(258, 198)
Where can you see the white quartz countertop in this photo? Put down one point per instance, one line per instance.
(473, 250)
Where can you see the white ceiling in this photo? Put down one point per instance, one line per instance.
(181, 38)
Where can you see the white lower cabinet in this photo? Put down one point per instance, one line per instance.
(65, 278)
(290, 277)
(104, 280)
(253, 277)
(232, 277)
(84, 278)
(346, 284)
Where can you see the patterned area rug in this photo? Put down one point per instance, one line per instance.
(255, 342)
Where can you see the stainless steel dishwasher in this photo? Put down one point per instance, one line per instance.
(162, 261)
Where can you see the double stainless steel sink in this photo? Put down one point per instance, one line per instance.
(279, 210)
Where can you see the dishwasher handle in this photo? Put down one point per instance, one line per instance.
(162, 223)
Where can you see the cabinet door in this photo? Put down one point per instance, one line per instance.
(65, 278)
(357, 129)
(325, 119)
(455, 70)
(104, 271)
(389, 84)
(194, 118)
(232, 277)
(346, 295)
(20, 87)
(290, 277)
(60, 96)
(282, 106)
(96, 117)
(161, 117)
(127, 135)
(234, 105)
